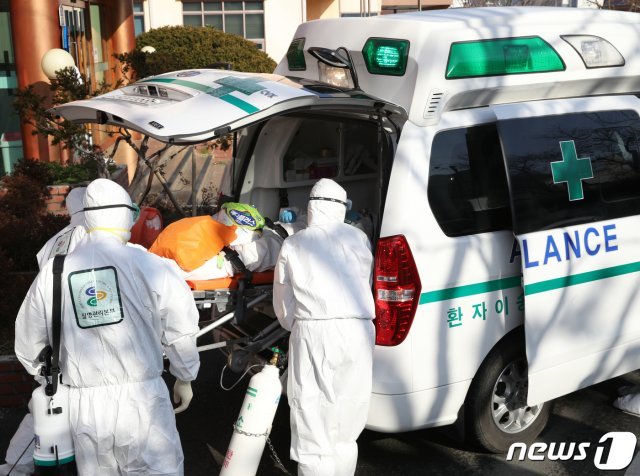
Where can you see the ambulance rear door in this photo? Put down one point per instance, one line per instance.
(186, 107)
(573, 168)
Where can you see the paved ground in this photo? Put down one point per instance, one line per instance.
(583, 416)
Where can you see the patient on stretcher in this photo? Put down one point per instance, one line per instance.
(201, 246)
(197, 244)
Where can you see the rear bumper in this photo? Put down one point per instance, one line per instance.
(416, 410)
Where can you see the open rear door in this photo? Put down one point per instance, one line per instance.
(573, 168)
(197, 105)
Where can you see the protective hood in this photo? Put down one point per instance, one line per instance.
(327, 203)
(75, 204)
(108, 208)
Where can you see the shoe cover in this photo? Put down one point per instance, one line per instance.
(629, 403)
(21, 439)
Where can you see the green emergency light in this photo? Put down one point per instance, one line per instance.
(295, 55)
(386, 56)
(502, 56)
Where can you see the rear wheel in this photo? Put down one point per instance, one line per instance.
(496, 410)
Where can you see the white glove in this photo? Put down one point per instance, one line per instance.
(182, 394)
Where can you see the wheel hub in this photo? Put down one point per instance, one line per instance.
(509, 400)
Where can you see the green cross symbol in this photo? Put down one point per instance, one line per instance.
(223, 92)
(228, 85)
(572, 170)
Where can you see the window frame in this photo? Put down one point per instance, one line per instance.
(469, 213)
(224, 12)
(139, 15)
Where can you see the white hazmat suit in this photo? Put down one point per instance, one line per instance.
(322, 293)
(66, 239)
(121, 307)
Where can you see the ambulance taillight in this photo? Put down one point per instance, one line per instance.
(396, 290)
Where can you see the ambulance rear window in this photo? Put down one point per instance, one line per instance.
(467, 188)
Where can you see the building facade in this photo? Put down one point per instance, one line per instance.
(270, 24)
(91, 31)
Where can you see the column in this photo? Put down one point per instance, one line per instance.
(35, 30)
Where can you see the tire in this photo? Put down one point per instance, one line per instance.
(496, 413)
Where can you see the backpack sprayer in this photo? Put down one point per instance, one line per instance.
(54, 452)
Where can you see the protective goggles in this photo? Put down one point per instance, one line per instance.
(347, 204)
(133, 207)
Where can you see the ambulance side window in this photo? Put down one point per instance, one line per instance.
(467, 188)
(607, 141)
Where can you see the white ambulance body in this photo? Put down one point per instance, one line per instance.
(496, 152)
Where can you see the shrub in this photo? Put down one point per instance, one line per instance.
(189, 47)
(54, 173)
(24, 229)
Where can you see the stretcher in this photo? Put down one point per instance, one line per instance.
(237, 312)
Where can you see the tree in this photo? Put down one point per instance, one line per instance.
(188, 47)
(35, 109)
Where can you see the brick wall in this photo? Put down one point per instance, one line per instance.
(16, 385)
(55, 203)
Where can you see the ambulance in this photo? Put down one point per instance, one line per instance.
(495, 153)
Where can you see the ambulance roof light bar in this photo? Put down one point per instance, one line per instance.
(595, 52)
(502, 56)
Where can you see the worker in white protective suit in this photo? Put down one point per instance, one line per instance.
(66, 239)
(322, 294)
(20, 451)
(629, 400)
(121, 308)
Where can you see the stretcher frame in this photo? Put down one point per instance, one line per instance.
(228, 307)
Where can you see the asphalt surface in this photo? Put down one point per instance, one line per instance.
(206, 429)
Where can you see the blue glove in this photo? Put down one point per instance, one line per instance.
(287, 216)
(352, 217)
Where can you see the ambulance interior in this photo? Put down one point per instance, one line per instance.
(275, 165)
(284, 157)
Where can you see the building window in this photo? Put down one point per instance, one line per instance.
(243, 18)
(10, 146)
(138, 16)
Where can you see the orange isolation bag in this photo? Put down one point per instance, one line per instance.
(147, 228)
(193, 241)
